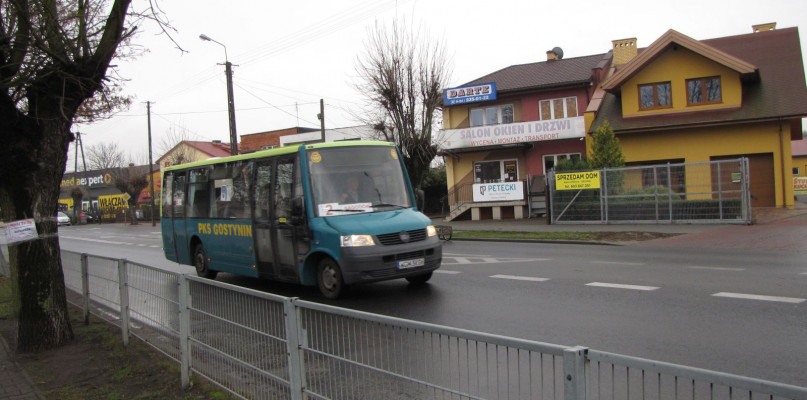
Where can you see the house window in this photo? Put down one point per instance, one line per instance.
(655, 95)
(558, 108)
(495, 171)
(495, 115)
(704, 91)
(550, 160)
(796, 171)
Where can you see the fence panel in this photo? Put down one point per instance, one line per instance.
(706, 192)
(355, 355)
(238, 339)
(154, 307)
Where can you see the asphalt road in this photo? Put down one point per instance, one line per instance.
(731, 310)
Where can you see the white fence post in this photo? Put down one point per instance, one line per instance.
(293, 348)
(574, 372)
(85, 287)
(123, 286)
(184, 331)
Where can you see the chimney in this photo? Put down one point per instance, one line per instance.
(764, 27)
(555, 54)
(624, 50)
(217, 142)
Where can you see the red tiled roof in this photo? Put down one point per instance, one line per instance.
(213, 149)
(545, 74)
(779, 92)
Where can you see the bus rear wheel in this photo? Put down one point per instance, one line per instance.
(329, 279)
(200, 262)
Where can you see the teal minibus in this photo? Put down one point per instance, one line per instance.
(327, 214)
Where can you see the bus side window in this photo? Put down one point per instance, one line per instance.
(167, 195)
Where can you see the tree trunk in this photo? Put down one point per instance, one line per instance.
(43, 321)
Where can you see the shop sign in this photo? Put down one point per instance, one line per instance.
(469, 94)
(577, 180)
(800, 185)
(501, 191)
(521, 132)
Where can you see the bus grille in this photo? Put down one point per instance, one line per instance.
(388, 239)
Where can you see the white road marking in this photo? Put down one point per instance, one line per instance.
(442, 271)
(616, 263)
(621, 286)
(520, 278)
(487, 260)
(792, 300)
(715, 268)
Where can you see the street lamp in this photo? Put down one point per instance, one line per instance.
(228, 70)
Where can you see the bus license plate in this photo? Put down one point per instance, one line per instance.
(418, 262)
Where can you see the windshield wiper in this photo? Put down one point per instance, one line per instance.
(389, 205)
(348, 210)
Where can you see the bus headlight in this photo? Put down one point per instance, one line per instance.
(431, 231)
(357, 241)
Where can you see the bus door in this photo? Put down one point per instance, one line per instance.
(277, 182)
(180, 235)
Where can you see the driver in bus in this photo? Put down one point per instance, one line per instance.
(351, 193)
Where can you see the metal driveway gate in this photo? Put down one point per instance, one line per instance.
(705, 192)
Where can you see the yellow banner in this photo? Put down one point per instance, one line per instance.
(577, 180)
(800, 184)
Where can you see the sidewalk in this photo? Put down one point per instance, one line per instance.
(14, 383)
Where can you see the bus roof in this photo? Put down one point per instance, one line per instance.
(277, 152)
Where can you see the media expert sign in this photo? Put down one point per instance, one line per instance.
(504, 191)
(800, 184)
(577, 180)
(519, 132)
(469, 94)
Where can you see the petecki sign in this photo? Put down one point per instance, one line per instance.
(502, 191)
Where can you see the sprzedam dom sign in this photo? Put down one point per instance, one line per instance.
(578, 180)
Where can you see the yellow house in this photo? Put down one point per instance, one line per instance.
(682, 100)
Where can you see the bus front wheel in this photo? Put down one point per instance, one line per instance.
(200, 262)
(419, 279)
(329, 279)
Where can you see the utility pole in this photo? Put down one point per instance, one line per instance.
(231, 107)
(151, 167)
(321, 117)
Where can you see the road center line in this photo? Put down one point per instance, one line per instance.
(520, 278)
(715, 268)
(792, 300)
(616, 263)
(621, 286)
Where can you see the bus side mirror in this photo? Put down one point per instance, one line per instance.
(421, 200)
(297, 207)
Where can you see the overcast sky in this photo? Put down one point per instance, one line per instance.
(289, 55)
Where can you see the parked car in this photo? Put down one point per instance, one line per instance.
(62, 218)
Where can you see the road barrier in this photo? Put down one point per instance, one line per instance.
(258, 345)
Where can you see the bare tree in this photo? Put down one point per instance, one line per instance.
(105, 156)
(171, 145)
(54, 58)
(402, 76)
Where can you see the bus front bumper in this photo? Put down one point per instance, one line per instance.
(380, 263)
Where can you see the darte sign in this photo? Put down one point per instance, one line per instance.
(469, 94)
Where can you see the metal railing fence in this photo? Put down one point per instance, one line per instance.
(703, 192)
(262, 346)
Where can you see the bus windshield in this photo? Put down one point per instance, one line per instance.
(350, 180)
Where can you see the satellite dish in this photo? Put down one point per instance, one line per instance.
(559, 52)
